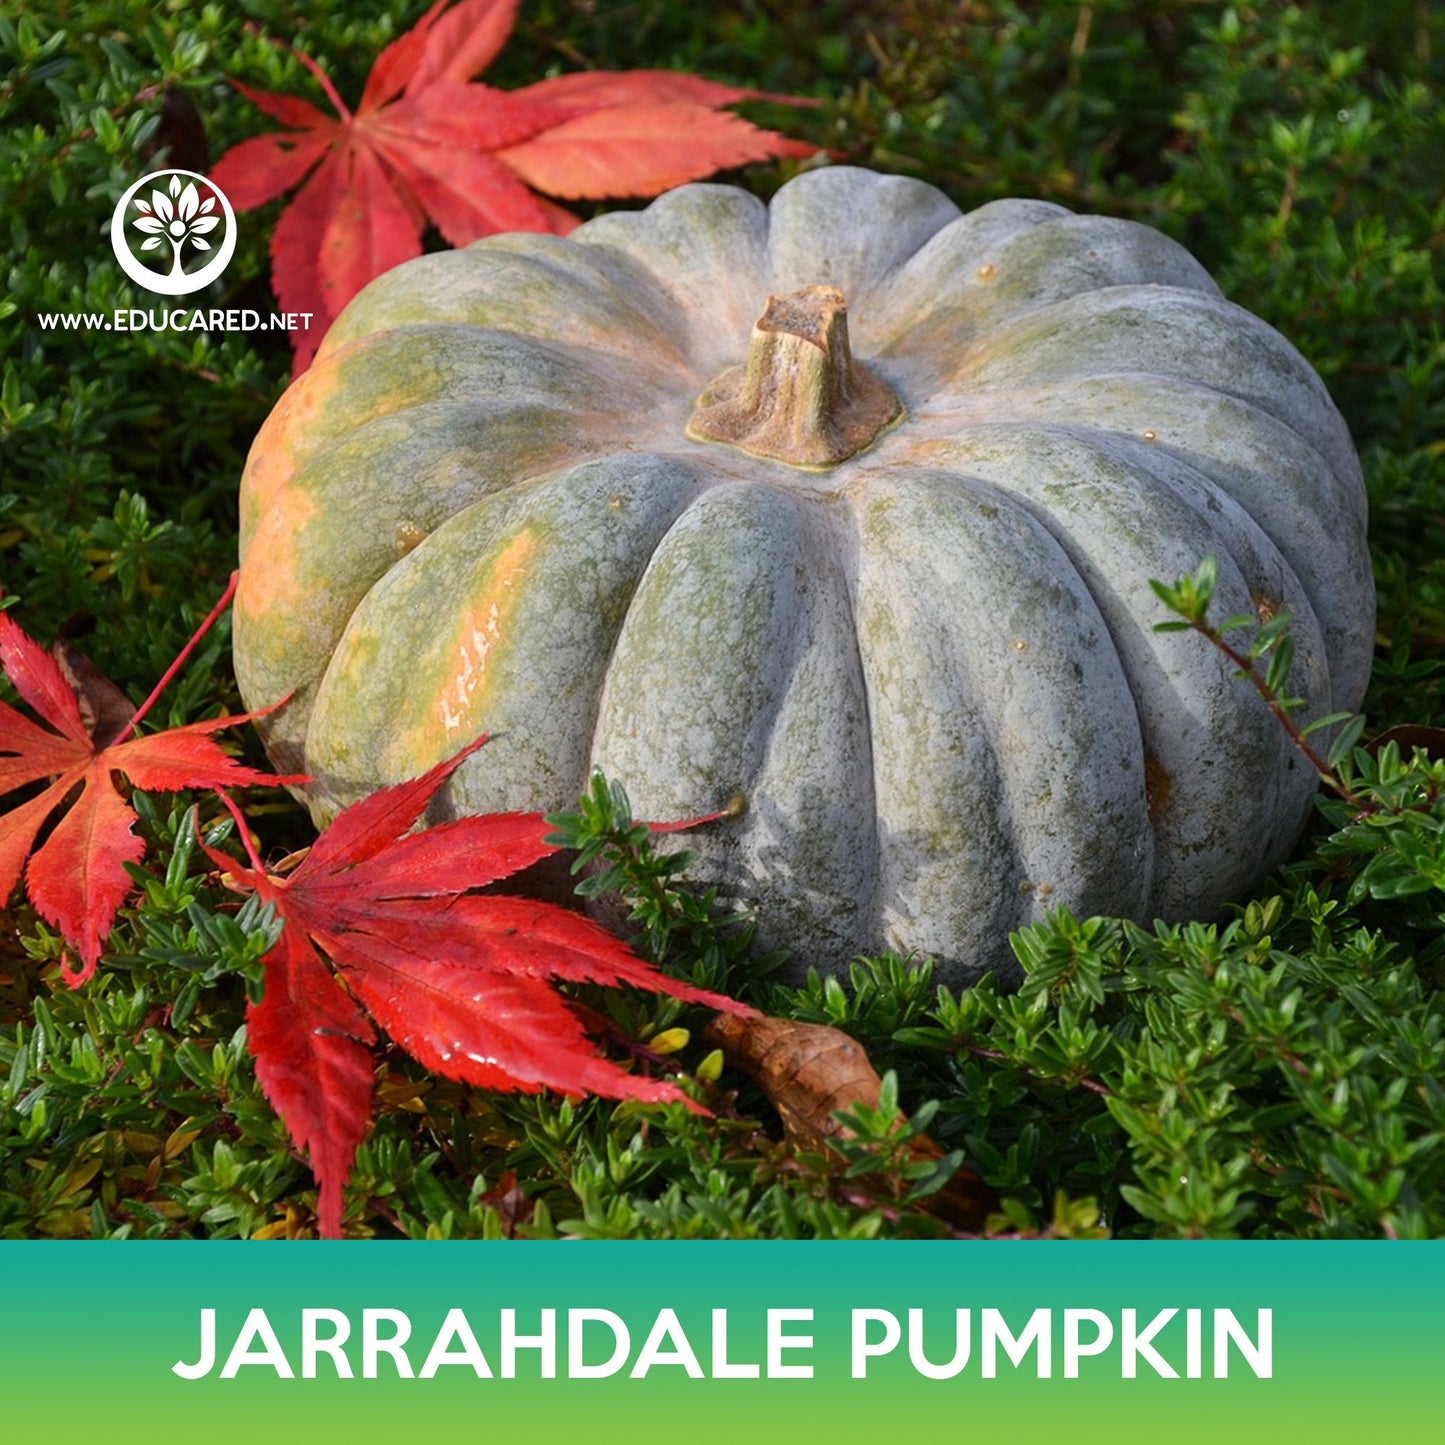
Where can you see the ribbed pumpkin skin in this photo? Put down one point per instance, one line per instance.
(930, 672)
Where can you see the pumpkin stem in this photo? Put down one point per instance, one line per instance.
(799, 398)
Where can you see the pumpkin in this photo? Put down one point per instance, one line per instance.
(844, 508)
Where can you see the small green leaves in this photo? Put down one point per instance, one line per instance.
(1270, 642)
(1277, 1075)
(1068, 963)
(615, 855)
(1343, 745)
(669, 1041)
(709, 1071)
(1189, 596)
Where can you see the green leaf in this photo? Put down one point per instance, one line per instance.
(1344, 743)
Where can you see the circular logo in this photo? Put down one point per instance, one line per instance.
(172, 217)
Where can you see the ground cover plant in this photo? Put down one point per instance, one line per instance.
(1276, 1073)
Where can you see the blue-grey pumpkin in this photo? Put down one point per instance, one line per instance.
(845, 506)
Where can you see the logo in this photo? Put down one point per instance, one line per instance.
(174, 216)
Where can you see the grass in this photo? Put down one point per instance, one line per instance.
(1275, 1076)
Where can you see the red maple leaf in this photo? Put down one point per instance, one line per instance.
(76, 879)
(458, 979)
(423, 143)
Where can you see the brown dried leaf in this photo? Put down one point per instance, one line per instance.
(806, 1070)
(181, 133)
(809, 1071)
(511, 1203)
(1409, 736)
(104, 708)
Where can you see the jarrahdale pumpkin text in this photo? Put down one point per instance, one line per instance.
(847, 506)
(1173, 1343)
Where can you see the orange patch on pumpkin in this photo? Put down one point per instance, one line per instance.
(314, 412)
(268, 582)
(458, 713)
(282, 444)
(1157, 784)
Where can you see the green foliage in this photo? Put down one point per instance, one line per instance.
(1268, 642)
(616, 858)
(1274, 1075)
(124, 447)
(1278, 1076)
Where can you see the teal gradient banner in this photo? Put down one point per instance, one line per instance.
(704, 1342)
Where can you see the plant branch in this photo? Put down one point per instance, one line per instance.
(1271, 701)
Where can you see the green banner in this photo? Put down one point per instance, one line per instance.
(722, 1342)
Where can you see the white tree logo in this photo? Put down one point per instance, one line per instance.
(181, 211)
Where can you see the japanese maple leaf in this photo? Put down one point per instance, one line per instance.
(76, 879)
(424, 144)
(459, 979)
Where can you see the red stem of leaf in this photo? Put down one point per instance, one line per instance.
(185, 652)
(245, 832)
(322, 78)
(1246, 667)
